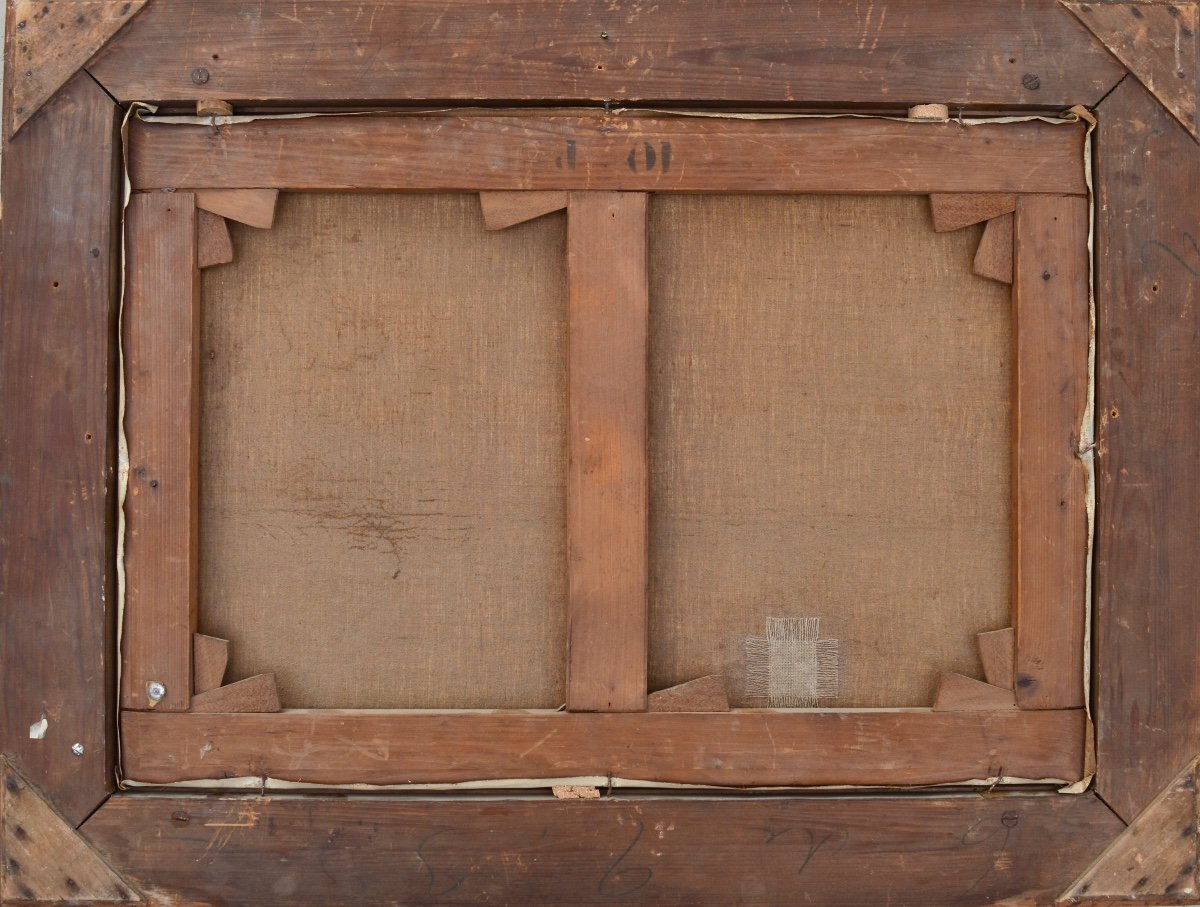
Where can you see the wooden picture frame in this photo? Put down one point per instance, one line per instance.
(68, 835)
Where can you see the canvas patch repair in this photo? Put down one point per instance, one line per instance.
(792, 666)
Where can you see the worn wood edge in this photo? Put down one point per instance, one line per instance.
(956, 693)
(253, 207)
(1165, 832)
(453, 152)
(210, 658)
(994, 256)
(78, 131)
(997, 649)
(47, 43)
(796, 56)
(959, 851)
(507, 209)
(1147, 684)
(1124, 29)
(253, 694)
(737, 749)
(704, 694)
(44, 858)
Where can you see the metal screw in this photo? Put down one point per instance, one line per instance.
(77, 749)
(200, 75)
(155, 690)
(1031, 81)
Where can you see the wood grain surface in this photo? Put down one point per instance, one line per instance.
(957, 52)
(57, 448)
(607, 484)
(448, 151)
(161, 324)
(732, 748)
(1050, 532)
(1148, 491)
(839, 851)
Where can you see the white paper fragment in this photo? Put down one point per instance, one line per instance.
(37, 730)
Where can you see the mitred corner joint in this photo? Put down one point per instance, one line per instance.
(1154, 859)
(45, 859)
(49, 42)
(1157, 42)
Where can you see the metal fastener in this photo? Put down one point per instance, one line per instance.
(77, 749)
(200, 75)
(1031, 81)
(156, 691)
(603, 36)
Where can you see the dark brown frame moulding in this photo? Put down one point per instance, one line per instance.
(69, 835)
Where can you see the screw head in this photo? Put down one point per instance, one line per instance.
(200, 75)
(156, 691)
(1031, 81)
(603, 36)
(77, 749)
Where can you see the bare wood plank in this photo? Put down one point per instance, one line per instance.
(704, 694)
(730, 748)
(832, 51)
(45, 858)
(607, 476)
(996, 651)
(1148, 488)
(507, 209)
(387, 850)
(254, 207)
(1155, 856)
(58, 238)
(210, 656)
(955, 692)
(1050, 303)
(652, 153)
(213, 244)
(162, 370)
(254, 694)
(48, 43)
(952, 211)
(994, 257)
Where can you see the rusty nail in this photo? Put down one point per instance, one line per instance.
(1031, 81)
(200, 75)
